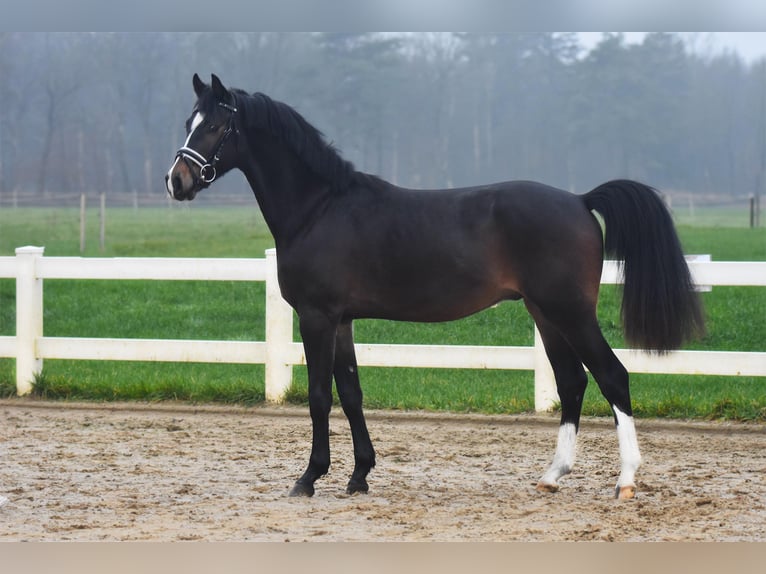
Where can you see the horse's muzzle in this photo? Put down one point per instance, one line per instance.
(180, 186)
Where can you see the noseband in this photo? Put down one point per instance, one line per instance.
(207, 173)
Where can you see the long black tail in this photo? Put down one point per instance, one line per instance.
(660, 309)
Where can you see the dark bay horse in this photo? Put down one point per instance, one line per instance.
(351, 246)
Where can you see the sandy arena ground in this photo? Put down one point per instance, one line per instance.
(174, 472)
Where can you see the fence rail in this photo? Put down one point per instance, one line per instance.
(278, 352)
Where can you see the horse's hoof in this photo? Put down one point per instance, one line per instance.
(357, 486)
(625, 492)
(302, 489)
(544, 487)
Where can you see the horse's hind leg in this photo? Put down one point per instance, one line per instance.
(612, 378)
(573, 337)
(350, 394)
(571, 381)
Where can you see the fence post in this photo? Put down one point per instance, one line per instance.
(82, 223)
(102, 223)
(279, 334)
(546, 394)
(29, 317)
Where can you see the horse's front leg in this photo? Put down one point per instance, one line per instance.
(350, 394)
(318, 334)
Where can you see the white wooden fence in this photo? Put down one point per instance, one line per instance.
(279, 352)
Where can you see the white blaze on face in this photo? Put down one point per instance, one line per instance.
(196, 121)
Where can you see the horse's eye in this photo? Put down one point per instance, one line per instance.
(212, 127)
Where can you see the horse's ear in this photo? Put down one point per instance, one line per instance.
(220, 93)
(199, 85)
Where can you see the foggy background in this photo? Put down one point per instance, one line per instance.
(104, 112)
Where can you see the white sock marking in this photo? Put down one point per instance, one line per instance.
(630, 456)
(563, 459)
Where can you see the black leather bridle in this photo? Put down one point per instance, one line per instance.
(207, 173)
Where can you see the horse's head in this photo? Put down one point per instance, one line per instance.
(210, 147)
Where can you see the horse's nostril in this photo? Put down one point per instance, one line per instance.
(177, 186)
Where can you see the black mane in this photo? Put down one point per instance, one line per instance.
(259, 111)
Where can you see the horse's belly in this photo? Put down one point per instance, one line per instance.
(432, 302)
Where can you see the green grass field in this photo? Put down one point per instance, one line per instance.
(234, 311)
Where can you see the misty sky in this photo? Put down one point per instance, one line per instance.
(750, 45)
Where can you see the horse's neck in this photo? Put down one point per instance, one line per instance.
(289, 197)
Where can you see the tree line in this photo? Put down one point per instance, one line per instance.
(104, 112)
